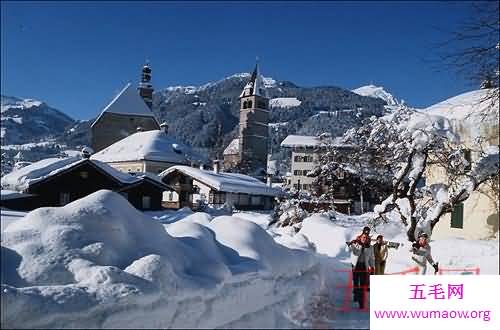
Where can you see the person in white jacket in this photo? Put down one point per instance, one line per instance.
(363, 263)
(422, 254)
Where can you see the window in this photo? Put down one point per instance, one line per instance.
(457, 216)
(64, 198)
(296, 159)
(243, 199)
(249, 104)
(256, 200)
(146, 202)
(221, 197)
(84, 174)
(216, 197)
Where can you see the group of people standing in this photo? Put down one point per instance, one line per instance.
(368, 259)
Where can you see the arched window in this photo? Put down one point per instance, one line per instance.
(249, 104)
(245, 103)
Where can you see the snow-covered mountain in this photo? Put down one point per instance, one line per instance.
(30, 131)
(377, 92)
(28, 120)
(205, 116)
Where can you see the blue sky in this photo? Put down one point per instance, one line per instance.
(77, 55)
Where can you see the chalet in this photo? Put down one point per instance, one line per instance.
(59, 181)
(152, 151)
(194, 186)
(128, 111)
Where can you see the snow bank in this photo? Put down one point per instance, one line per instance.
(328, 238)
(98, 262)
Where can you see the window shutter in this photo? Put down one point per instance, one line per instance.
(457, 216)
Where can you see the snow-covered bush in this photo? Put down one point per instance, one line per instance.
(289, 213)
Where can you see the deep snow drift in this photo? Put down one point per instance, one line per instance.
(98, 262)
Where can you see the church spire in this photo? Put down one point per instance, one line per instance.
(256, 85)
(145, 87)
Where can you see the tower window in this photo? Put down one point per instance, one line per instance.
(249, 104)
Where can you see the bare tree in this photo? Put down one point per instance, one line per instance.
(473, 49)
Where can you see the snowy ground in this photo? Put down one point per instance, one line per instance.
(99, 263)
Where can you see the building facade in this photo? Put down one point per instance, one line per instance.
(195, 187)
(344, 189)
(478, 216)
(57, 182)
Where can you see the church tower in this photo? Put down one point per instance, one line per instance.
(145, 87)
(253, 129)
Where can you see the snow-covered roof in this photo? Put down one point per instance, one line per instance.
(466, 106)
(12, 194)
(469, 113)
(127, 102)
(292, 141)
(227, 182)
(376, 92)
(284, 102)
(23, 178)
(232, 148)
(153, 145)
